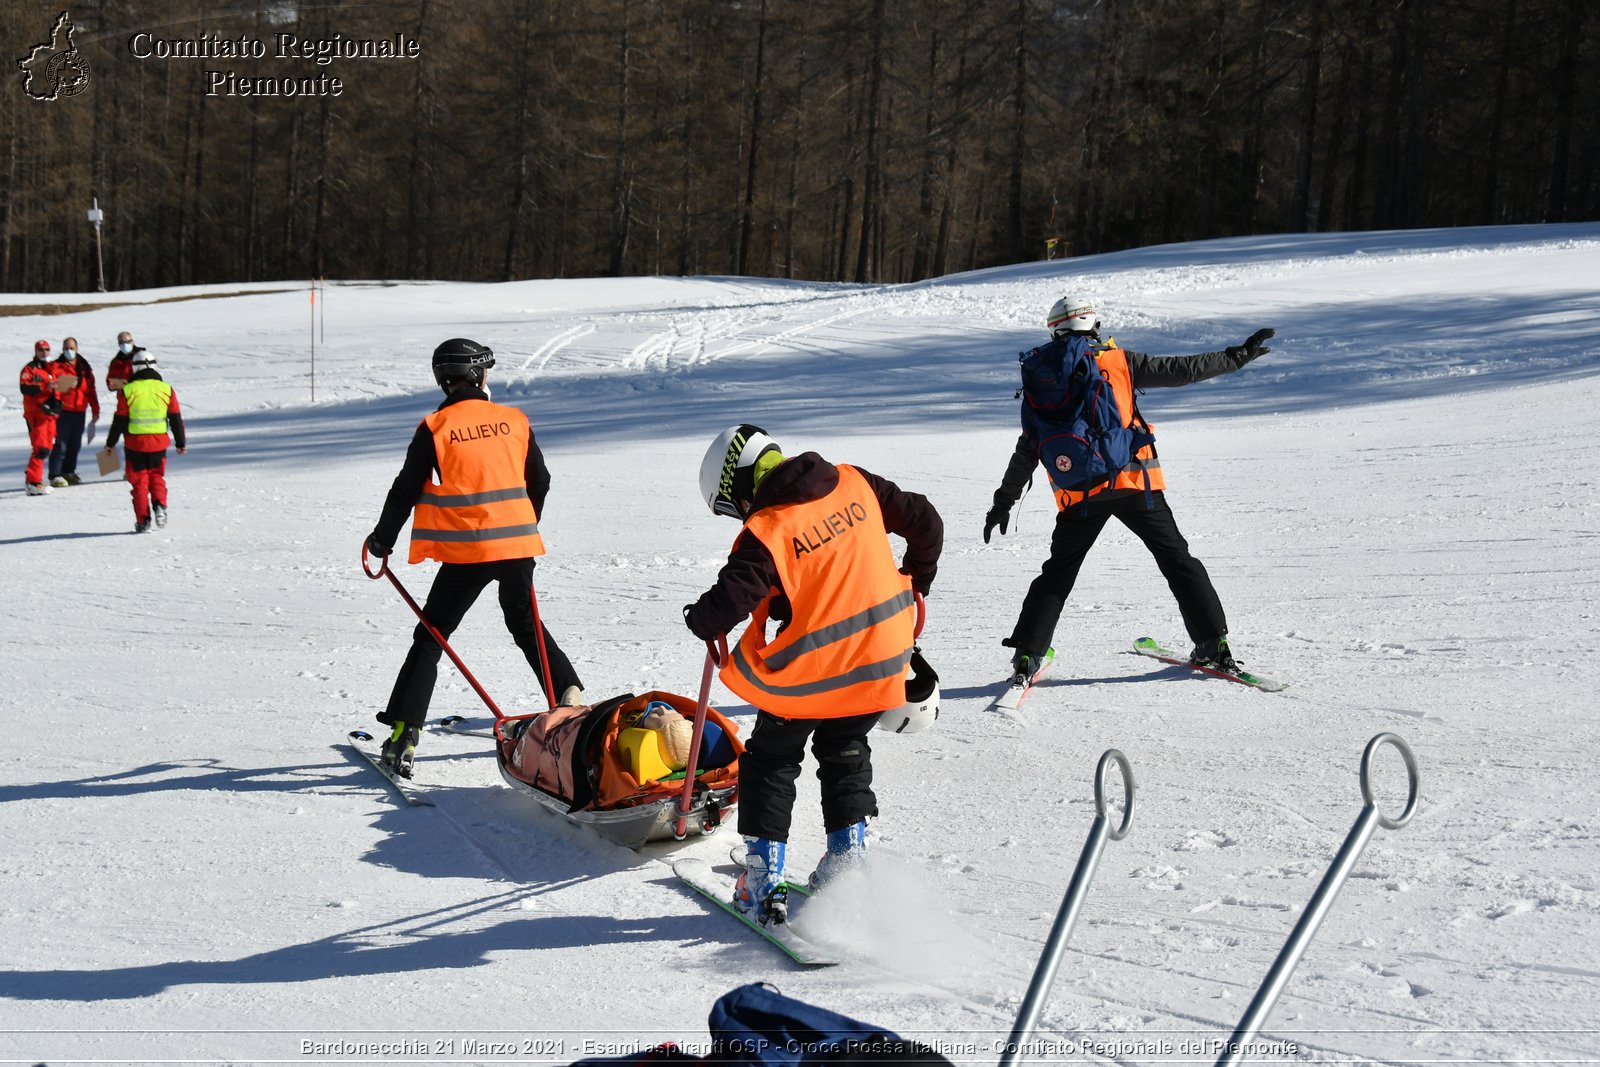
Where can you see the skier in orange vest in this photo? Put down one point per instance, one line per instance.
(481, 521)
(1136, 497)
(814, 556)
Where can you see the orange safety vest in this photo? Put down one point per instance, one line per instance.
(847, 645)
(1114, 365)
(480, 511)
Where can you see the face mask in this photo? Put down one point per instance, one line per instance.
(125, 347)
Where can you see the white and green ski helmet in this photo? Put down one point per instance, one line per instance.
(728, 472)
(1072, 314)
(921, 709)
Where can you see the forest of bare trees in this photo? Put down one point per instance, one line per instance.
(851, 140)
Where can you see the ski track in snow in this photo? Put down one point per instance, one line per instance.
(1394, 523)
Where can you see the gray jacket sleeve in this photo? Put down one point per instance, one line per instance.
(1167, 372)
(1019, 470)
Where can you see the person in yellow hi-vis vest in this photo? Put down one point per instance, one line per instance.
(146, 407)
(481, 520)
(814, 556)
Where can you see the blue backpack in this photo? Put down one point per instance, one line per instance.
(757, 1026)
(1070, 412)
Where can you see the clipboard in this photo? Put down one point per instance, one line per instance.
(107, 462)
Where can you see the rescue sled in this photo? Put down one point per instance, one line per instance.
(579, 763)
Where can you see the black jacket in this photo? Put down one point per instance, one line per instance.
(749, 575)
(1145, 372)
(422, 460)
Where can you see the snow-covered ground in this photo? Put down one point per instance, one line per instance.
(1398, 505)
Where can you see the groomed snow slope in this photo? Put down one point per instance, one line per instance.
(1397, 504)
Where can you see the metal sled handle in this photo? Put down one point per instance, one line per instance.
(1044, 975)
(1413, 779)
(1108, 757)
(1369, 820)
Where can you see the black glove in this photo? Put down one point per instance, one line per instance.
(377, 547)
(51, 405)
(689, 621)
(1252, 347)
(921, 583)
(998, 515)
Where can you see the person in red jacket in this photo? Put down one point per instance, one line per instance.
(40, 406)
(146, 408)
(121, 368)
(75, 386)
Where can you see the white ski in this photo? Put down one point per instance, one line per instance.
(1009, 700)
(697, 875)
(458, 724)
(360, 740)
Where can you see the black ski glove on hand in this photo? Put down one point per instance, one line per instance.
(377, 547)
(921, 583)
(694, 627)
(1252, 348)
(998, 515)
(51, 405)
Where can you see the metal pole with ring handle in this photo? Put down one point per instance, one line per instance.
(1255, 1016)
(1100, 831)
(384, 571)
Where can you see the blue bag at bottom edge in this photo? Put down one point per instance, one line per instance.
(757, 1025)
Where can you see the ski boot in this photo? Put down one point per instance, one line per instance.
(1214, 655)
(38, 488)
(159, 513)
(847, 851)
(1024, 665)
(400, 751)
(141, 525)
(760, 892)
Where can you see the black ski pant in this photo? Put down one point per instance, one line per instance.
(771, 763)
(455, 588)
(1075, 533)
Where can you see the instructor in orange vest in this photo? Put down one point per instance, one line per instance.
(814, 557)
(1135, 497)
(480, 520)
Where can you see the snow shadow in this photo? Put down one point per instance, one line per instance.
(1324, 357)
(416, 943)
(199, 775)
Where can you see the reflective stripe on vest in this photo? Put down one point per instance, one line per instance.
(480, 511)
(1114, 363)
(148, 400)
(848, 643)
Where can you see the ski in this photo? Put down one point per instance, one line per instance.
(1007, 702)
(457, 724)
(697, 875)
(359, 740)
(1149, 646)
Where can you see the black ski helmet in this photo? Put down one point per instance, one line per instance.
(460, 359)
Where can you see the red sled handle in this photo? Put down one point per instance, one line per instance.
(716, 656)
(384, 571)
